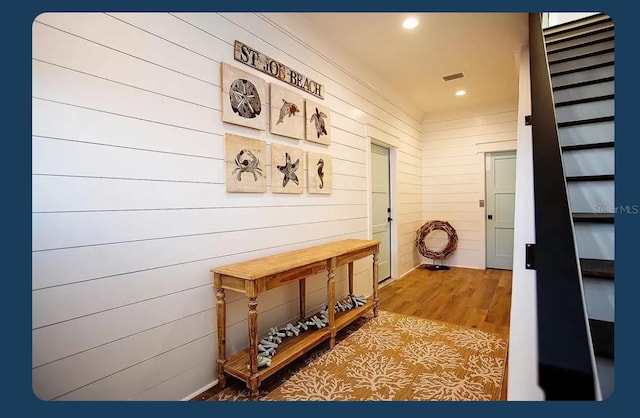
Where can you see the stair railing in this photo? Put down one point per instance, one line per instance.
(565, 354)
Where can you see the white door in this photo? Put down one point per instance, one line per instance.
(501, 192)
(381, 207)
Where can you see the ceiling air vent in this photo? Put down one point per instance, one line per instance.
(452, 76)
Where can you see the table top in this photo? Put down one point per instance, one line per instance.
(274, 264)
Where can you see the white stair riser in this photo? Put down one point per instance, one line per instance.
(606, 376)
(582, 50)
(581, 111)
(592, 197)
(581, 62)
(586, 134)
(577, 29)
(589, 162)
(579, 77)
(600, 298)
(595, 240)
(583, 92)
(579, 41)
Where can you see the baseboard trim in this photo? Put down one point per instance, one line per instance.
(199, 391)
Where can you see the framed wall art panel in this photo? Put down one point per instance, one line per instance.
(245, 164)
(243, 98)
(286, 169)
(286, 112)
(318, 121)
(319, 173)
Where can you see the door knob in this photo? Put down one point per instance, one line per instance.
(490, 217)
(389, 219)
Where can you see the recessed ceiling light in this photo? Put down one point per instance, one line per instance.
(410, 23)
(460, 93)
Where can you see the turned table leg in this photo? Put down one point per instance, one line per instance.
(221, 310)
(302, 285)
(351, 279)
(254, 379)
(331, 290)
(375, 284)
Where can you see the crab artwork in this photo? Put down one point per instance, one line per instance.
(247, 162)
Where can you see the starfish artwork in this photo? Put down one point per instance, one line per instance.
(289, 170)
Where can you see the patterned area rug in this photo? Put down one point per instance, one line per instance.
(393, 358)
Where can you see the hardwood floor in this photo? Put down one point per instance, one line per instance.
(475, 298)
(479, 299)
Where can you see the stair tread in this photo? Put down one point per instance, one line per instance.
(580, 35)
(583, 83)
(585, 121)
(595, 177)
(585, 100)
(581, 56)
(601, 269)
(575, 24)
(582, 45)
(593, 217)
(602, 337)
(592, 145)
(580, 69)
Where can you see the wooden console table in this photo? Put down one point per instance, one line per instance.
(259, 275)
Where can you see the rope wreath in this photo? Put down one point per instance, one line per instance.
(429, 227)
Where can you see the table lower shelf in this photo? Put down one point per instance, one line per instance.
(293, 347)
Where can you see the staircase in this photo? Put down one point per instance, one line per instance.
(581, 63)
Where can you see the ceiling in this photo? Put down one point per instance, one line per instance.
(482, 46)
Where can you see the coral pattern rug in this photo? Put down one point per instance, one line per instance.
(394, 358)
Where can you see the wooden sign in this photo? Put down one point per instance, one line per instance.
(261, 62)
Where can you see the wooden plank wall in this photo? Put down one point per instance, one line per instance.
(453, 172)
(129, 204)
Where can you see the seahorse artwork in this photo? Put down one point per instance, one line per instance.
(321, 172)
(288, 109)
(318, 119)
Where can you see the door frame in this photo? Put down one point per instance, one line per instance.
(485, 161)
(385, 140)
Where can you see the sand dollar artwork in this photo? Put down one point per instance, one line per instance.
(243, 98)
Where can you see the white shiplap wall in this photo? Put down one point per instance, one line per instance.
(454, 147)
(129, 207)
